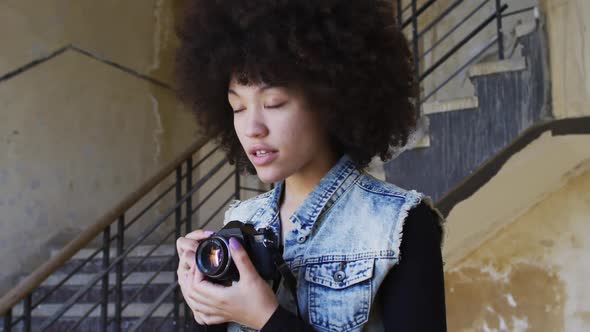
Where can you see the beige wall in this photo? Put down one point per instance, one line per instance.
(569, 44)
(533, 275)
(79, 134)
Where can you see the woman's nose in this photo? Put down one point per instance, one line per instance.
(256, 126)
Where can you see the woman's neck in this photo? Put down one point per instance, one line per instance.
(300, 184)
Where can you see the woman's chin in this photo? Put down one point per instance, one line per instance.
(268, 175)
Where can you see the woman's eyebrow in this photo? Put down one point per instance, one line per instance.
(260, 89)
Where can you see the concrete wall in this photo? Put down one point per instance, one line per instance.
(78, 133)
(533, 275)
(569, 43)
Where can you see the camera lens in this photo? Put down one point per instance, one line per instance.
(212, 257)
(213, 253)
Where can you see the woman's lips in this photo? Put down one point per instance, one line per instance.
(264, 159)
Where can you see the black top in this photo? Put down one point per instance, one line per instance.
(413, 291)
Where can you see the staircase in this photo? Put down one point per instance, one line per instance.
(104, 280)
(140, 288)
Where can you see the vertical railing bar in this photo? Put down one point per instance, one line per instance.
(189, 213)
(178, 231)
(499, 30)
(27, 313)
(105, 280)
(415, 53)
(119, 272)
(399, 14)
(8, 321)
(189, 189)
(237, 183)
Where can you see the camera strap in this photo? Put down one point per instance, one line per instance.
(287, 275)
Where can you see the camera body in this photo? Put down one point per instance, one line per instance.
(213, 257)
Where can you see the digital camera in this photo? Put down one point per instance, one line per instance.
(214, 259)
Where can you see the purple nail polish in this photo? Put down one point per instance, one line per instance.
(234, 243)
(207, 232)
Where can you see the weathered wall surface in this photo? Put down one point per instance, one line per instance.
(533, 275)
(78, 133)
(569, 44)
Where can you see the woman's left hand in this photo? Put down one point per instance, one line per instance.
(249, 302)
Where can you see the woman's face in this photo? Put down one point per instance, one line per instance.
(279, 133)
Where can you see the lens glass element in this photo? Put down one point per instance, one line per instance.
(212, 257)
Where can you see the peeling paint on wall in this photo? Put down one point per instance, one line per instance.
(532, 276)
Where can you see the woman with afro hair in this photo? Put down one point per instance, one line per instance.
(304, 93)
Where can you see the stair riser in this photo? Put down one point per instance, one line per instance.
(148, 295)
(93, 325)
(95, 265)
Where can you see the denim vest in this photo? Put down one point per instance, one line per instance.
(346, 238)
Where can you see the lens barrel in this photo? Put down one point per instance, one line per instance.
(213, 257)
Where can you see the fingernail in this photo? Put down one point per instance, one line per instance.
(234, 243)
(208, 232)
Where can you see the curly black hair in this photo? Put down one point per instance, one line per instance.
(349, 56)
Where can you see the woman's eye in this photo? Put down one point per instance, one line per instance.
(275, 105)
(238, 111)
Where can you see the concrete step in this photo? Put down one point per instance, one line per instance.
(148, 295)
(135, 278)
(93, 324)
(134, 310)
(139, 251)
(497, 67)
(450, 105)
(96, 265)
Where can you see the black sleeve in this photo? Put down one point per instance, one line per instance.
(210, 328)
(413, 292)
(285, 321)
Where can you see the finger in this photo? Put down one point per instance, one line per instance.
(213, 319)
(183, 244)
(198, 317)
(242, 260)
(214, 293)
(199, 234)
(187, 260)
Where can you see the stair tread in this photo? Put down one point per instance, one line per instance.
(495, 67)
(135, 278)
(139, 251)
(79, 309)
(450, 105)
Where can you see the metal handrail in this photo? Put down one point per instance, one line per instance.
(34, 280)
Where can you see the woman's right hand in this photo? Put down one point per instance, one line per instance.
(186, 247)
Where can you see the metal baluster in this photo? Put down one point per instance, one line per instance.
(189, 199)
(178, 230)
(105, 279)
(499, 26)
(27, 313)
(399, 14)
(189, 205)
(237, 192)
(8, 321)
(119, 273)
(415, 51)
